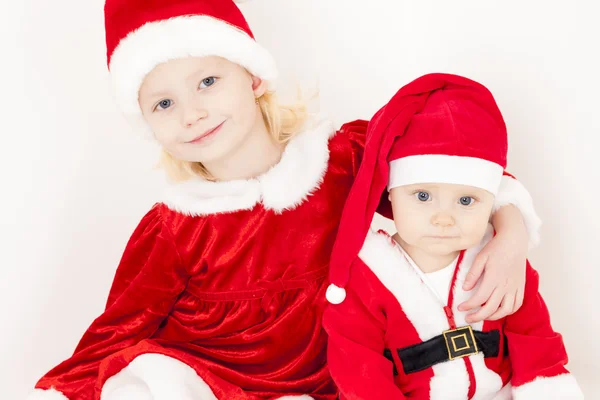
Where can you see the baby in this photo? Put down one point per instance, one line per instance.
(395, 331)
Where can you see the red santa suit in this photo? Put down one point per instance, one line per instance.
(386, 338)
(221, 289)
(395, 332)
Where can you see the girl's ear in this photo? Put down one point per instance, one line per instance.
(259, 86)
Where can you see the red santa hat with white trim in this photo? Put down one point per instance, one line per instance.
(440, 128)
(141, 34)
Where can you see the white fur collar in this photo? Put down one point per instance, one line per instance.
(285, 186)
(425, 312)
(388, 262)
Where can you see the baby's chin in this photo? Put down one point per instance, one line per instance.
(445, 247)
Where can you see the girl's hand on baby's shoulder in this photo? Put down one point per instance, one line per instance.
(501, 266)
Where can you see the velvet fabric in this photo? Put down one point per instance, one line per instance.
(238, 296)
(389, 308)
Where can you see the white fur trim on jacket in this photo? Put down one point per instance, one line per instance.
(513, 192)
(50, 394)
(300, 397)
(285, 186)
(422, 308)
(560, 387)
(156, 377)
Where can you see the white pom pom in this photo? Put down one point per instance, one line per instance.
(241, 1)
(335, 294)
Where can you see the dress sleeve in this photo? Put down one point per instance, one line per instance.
(355, 132)
(148, 281)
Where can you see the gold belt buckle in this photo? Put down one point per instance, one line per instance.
(460, 342)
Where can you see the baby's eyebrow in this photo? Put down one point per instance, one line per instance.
(158, 94)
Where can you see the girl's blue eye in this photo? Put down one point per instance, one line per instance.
(466, 200)
(206, 82)
(422, 196)
(164, 104)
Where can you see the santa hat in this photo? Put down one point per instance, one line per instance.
(440, 128)
(141, 34)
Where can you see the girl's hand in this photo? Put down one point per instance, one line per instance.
(502, 263)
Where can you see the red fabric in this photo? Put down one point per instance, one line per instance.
(174, 293)
(508, 174)
(358, 128)
(124, 16)
(358, 334)
(371, 319)
(114, 363)
(452, 322)
(194, 288)
(460, 119)
(424, 102)
(472, 380)
(150, 278)
(534, 348)
(450, 302)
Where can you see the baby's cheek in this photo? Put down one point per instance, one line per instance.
(476, 230)
(411, 232)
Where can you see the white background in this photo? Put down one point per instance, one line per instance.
(75, 180)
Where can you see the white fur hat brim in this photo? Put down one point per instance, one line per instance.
(197, 36)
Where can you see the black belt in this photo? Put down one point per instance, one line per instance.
(457, 343)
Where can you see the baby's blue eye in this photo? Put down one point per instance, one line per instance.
(467, 200)
(208, 81)
(164, 104)
(422, 196)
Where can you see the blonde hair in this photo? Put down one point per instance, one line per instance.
(282, 122)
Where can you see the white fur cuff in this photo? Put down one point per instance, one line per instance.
(513, 192)
(561, 387)
(157, 377)
(50, 394)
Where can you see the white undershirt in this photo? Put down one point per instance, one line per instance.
(441, 280)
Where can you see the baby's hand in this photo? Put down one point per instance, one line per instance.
(502, 263)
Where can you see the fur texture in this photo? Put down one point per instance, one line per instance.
(425, 311)
(50, 394)
(285, 186)
(161, 377)
(561, 387)
(158, 42)
(441, 168)
(513, 192)
(199, 35)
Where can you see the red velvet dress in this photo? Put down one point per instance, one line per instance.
(230, 279)
(221, 288)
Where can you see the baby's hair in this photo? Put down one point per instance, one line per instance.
(282, 121)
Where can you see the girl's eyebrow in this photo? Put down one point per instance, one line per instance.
(191, 77)
(194, 75)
